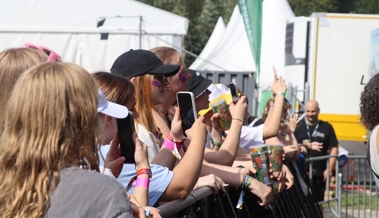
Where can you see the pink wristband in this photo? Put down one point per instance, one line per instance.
(169, 144)
(142, 182)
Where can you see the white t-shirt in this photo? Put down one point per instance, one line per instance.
(162, 177)
(251, 136)
(149, 140)
(374, 156)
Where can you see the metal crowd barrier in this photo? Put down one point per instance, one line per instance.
(295, 202)
(354, 192)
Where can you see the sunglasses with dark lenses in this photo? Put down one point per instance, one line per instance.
(52, 55)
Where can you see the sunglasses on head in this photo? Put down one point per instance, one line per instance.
(53, 56)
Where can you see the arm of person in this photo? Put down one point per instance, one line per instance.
(165, 157)
(332, 160)
(272, 122)
(243, 153)
(141, 189)
(230, 176)
(227, 152)
(187, 172)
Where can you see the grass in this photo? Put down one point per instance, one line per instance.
(353, 202)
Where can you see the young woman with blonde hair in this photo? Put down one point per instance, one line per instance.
(49, 148)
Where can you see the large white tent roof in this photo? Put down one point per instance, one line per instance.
(81, 16)
(232, 51)
(70, 28)
(229, 51)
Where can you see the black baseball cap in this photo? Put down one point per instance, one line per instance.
(197, 84)
(140, 62)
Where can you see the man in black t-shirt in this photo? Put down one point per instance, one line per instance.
(313, 132)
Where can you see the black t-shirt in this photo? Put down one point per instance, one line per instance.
(322, 132)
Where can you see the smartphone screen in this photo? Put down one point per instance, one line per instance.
(125, 133)
(188, 113)
(233, 91)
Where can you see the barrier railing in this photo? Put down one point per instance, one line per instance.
(295, 202)
(200, 203)
(354, 190)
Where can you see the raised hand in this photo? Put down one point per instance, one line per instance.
(198, 130)
(238, 110)
(292, 122)
(176, 131)
(279, 84)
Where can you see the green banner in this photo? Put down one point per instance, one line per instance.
(251, 11)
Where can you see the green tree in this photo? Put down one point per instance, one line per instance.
(367, 7)
(307, 7)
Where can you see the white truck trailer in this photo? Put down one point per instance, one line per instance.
(335, 55)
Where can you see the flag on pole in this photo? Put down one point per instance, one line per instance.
(251, 11)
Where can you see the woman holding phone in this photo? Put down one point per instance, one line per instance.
(165, 185)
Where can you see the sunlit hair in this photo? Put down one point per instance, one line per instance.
(13, 62)
(50, 123)
(369, 105)
(144, 103)
(167, 55)
(266, 109)
(116, 88)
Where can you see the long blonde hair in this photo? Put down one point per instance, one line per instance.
(13, 62)
(50, 123)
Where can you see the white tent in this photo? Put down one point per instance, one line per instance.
(232, 51)
(70, 28)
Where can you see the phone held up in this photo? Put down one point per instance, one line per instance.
(233, 91)
(187, 107)
(125, 133)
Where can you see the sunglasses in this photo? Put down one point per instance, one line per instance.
(53, 56)
(158, 81)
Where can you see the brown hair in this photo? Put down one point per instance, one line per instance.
(116, 88)
(266, 109)
(369, 105)
(50, 123)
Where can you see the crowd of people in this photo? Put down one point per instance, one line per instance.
(60, 142)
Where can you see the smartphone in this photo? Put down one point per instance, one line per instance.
(187, 107)
(233, 91)
(125, 133)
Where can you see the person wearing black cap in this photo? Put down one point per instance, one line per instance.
(139, 62)
(150, 84)
(198, 85)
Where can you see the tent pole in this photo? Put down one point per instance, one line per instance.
(140, 31)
